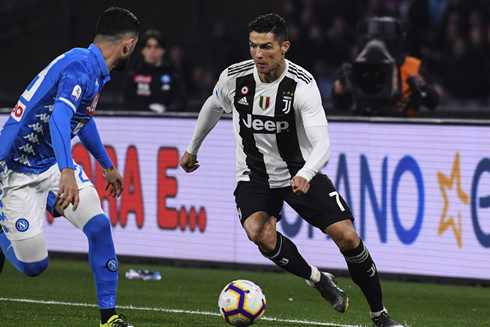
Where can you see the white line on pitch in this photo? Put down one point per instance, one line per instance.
(206, 313)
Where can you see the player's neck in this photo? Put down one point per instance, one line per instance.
(274, 74)
(109, 54)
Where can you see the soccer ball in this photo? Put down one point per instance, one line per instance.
(241, 303)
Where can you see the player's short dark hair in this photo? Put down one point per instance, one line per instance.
(114, 23)
(270, 23)
(153, 34)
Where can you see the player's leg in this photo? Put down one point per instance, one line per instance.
(29, 256)
(362, 270)
(90, 218)
(258, 208)
(21, 237)
(316, 210)
(336, 220)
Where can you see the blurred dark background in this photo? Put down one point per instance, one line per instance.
(451, 37)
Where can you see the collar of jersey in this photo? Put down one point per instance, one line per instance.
(100, 59)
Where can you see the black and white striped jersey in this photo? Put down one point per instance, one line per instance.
(269, 120)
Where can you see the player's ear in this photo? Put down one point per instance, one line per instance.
(285, 47)
(128, 45)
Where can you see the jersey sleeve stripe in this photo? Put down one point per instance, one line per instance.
(68, 103)
(300, 74)
(302, 71)
(240, 66)
(304, 79)
(244, 69)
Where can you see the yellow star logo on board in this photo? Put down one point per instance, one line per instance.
(448, 183)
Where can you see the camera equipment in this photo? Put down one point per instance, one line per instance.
(374, 72)
(373, 77)
(386, 29)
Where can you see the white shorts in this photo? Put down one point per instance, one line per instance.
(24, 198)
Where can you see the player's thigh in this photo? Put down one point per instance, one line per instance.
(89, 205)
(322, 205)
(23, 197)
(82, 182)
(251, 198)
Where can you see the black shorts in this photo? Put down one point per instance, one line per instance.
(321, 206)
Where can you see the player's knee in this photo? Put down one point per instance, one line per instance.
(262, 232)
(347, 241)
(263, 238)
(255, 236)
(33, 269)
(97, 227)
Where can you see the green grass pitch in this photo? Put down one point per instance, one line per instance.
(64, 296)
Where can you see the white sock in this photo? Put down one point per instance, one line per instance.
(376, 314)
(315, 274)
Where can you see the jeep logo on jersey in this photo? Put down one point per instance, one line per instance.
(91, 108)
(18, 111)
(263, 125)
(264, 102)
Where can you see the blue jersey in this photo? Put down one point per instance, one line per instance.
(75, 78)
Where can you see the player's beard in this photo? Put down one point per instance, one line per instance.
(120, 64)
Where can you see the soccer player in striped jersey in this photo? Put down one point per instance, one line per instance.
(37, 172)
(282, 144)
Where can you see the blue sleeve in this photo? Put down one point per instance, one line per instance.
(90, 138)
(73, 84)
(60, 130)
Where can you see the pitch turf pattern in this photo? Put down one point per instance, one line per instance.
(205, 313)
(64, 296)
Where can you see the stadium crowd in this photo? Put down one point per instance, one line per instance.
(451, 37)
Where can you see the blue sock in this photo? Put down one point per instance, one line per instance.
(31, 269)
(102, 259)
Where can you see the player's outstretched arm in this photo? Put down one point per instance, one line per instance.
(189, 162)
(60, 131)
(208, 118)
(114, 180)
(90, 138)
(316, 127)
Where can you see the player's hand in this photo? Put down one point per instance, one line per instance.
(68, 192)
(300, 185)
(189, 162)
(114, 180)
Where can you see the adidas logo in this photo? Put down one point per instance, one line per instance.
(243, 101)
